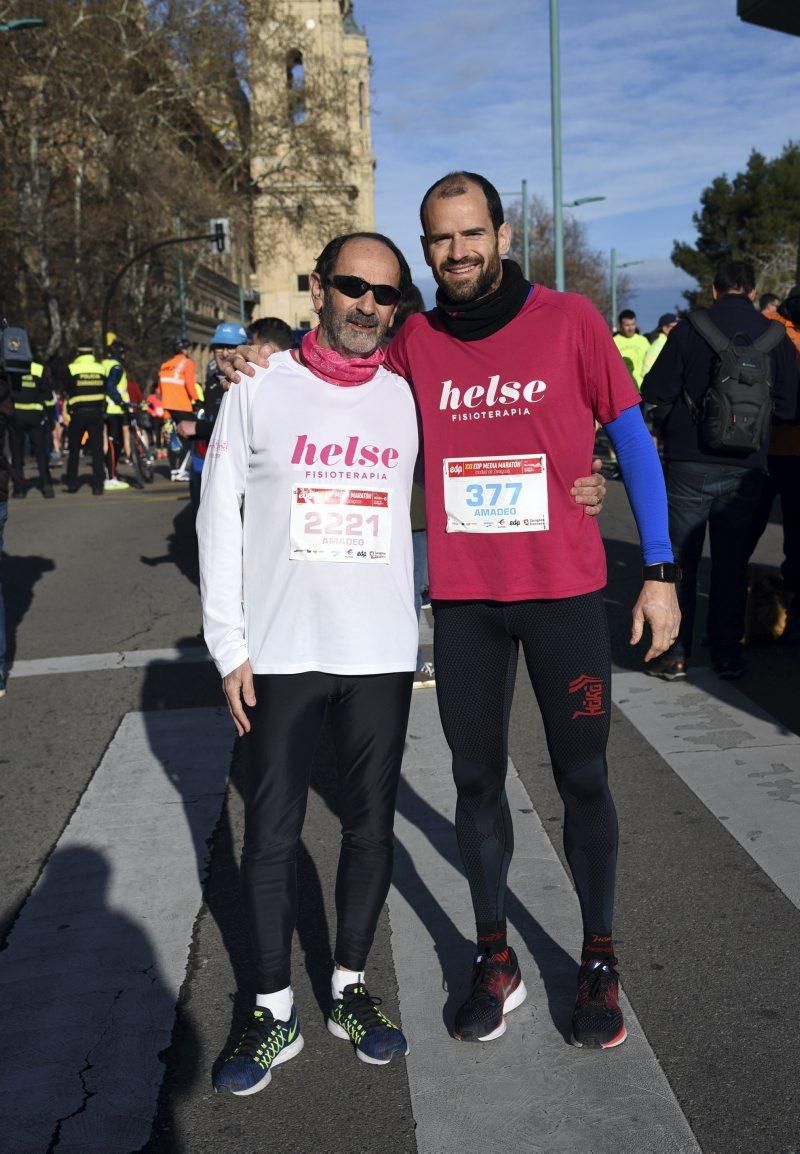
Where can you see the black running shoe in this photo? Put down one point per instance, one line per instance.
(355, 1017)
(265, 1043)
(497, 988)
(597, 1019)
(732, 668)
(667, 668)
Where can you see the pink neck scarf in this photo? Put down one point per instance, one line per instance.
(336, 369)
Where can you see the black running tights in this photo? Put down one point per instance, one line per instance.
(566, 648)
(368, 717)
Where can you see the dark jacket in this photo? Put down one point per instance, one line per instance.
(686, 361)
(6, 409)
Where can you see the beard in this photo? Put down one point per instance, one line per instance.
(487, 278)
(343, 338)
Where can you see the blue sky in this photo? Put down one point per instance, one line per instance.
(657, 100)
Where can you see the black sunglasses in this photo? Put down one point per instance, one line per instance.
(355, 287)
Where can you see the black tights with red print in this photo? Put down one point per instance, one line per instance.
(567, 652)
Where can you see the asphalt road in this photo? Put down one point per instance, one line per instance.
(707, 938)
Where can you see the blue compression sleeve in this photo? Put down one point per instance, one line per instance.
(644, 483)
(112, 380)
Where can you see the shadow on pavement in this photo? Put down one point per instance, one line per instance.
(181, 547)
(455, 952)
(19, 576)
(773, 680)
(85, 1013)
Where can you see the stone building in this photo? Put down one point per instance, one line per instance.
(311, 148)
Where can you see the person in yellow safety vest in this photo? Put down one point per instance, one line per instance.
(666, 323)
(177, 378)
(118, 420)
(632, 345)
(86, 404)
(29, 396)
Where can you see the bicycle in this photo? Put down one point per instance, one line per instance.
(141, 453)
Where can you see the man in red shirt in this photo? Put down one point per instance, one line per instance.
(510, 379)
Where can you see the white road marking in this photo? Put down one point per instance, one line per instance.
(742, 764)
(95, 961)
(529, 1090)
(124, 659)
(425, 628)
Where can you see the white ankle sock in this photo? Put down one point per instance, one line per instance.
(279, 1004)
(342, 978)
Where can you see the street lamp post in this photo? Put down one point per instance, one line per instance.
(526, 223)
(526, 233)
(582, 200)
(555, 121)
(615, 267)
(181, 279)
(526, 227)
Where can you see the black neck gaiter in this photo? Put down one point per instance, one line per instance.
(474, 320)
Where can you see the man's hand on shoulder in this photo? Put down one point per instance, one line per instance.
(591, 491)
(239, 691)
(235, 361)
(657, 604)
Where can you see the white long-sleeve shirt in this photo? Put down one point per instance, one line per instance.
(304, 533)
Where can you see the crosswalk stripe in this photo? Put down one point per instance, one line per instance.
(122, 659)
(531, 1091)
(742, 764)
(95, 961)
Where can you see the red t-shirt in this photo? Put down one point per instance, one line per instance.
(533, 389)
(134, 392)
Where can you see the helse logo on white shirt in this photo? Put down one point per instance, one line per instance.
(354, 453)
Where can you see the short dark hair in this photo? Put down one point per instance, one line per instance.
(271, 329)
(790, 309)
(768, 299)
(626, 315)
(455, 184)
(409, 304)
(734, 276)
(326, 261)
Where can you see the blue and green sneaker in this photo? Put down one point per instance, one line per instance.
(355, 1017)
(264, 1044)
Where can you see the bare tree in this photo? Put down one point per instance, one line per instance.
(122, 116)
(586, 269)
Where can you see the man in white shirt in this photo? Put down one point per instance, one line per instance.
(307, 583)
(307, 580)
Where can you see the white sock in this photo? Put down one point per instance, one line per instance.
(342, 978)
(279, 1004)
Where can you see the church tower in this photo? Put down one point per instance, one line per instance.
(311, 143)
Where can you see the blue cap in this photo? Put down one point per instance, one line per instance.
(229, 334)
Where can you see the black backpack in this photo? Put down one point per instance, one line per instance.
(735, 412)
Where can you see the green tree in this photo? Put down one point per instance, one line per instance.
(754, 216)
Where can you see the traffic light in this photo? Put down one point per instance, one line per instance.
(220, 230)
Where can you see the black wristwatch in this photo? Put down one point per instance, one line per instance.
(664, 571)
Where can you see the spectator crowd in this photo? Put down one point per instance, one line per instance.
(52, 418)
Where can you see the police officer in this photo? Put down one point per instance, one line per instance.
(86, 404)
(118, 420)
(29, 395)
